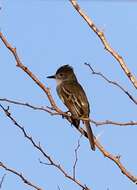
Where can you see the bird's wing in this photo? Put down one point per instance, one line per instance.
(75, 99)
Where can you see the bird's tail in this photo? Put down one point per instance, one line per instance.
(90, 135)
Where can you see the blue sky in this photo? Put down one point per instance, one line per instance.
(48, 34)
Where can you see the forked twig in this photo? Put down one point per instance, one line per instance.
(28, 72)
(39, 148)
(115, 159)
(112, 82)
(64, 114)
(52, 102)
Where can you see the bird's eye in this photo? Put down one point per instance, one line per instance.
(61, 74)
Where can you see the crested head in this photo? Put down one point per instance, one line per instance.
(64, 68)
(65, 73)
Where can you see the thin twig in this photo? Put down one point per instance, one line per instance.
(76, 157)
(103, 39)
(58, 187)
(42, 108)
(28, 72)
(81, 130)
(115, 159)
(25, 180)
(2, 180)
(109, 122)
(112, 82)
(39, 148)
(66, 115)
(65, 174)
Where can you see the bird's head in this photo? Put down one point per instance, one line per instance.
(64, 73)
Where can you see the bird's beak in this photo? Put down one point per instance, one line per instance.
(51, 77)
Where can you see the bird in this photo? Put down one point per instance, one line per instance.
(74, 97)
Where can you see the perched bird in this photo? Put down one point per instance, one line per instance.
(73, 96)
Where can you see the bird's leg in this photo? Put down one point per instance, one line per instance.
(69, 117)
(71, 120)
(68, 114)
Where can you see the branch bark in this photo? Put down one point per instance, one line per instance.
(28, 72)
(40, 149)
(52, 112)
(104, 41)
(24, 179)
(109, 122)
(113, 83)
(42, 108)
(76, 158)
(2, 180)
(115, 159)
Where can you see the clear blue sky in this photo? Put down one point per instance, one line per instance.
(48, 34)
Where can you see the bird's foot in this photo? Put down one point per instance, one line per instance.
(68, 114)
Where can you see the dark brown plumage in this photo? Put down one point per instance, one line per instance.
(73, 96)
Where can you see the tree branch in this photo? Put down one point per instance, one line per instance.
(112, 82)
(109, 122)
(42, 108)
(39, 148)
(25, 180)
(1, 181)
(115, 159)
(28, 72)
(103, 39)
(52, 112)
(76, 158)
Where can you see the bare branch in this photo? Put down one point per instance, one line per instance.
(28, 72)
(115, 159)
(65, 174)
(83, 132)
(113, 83)
(38, 147)
(109, 122)
(66, 115)
(42, 108)
(25, 180)
(2, 179)
(54, 107)
(103, 39)
(76, 157)
(58, 187)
